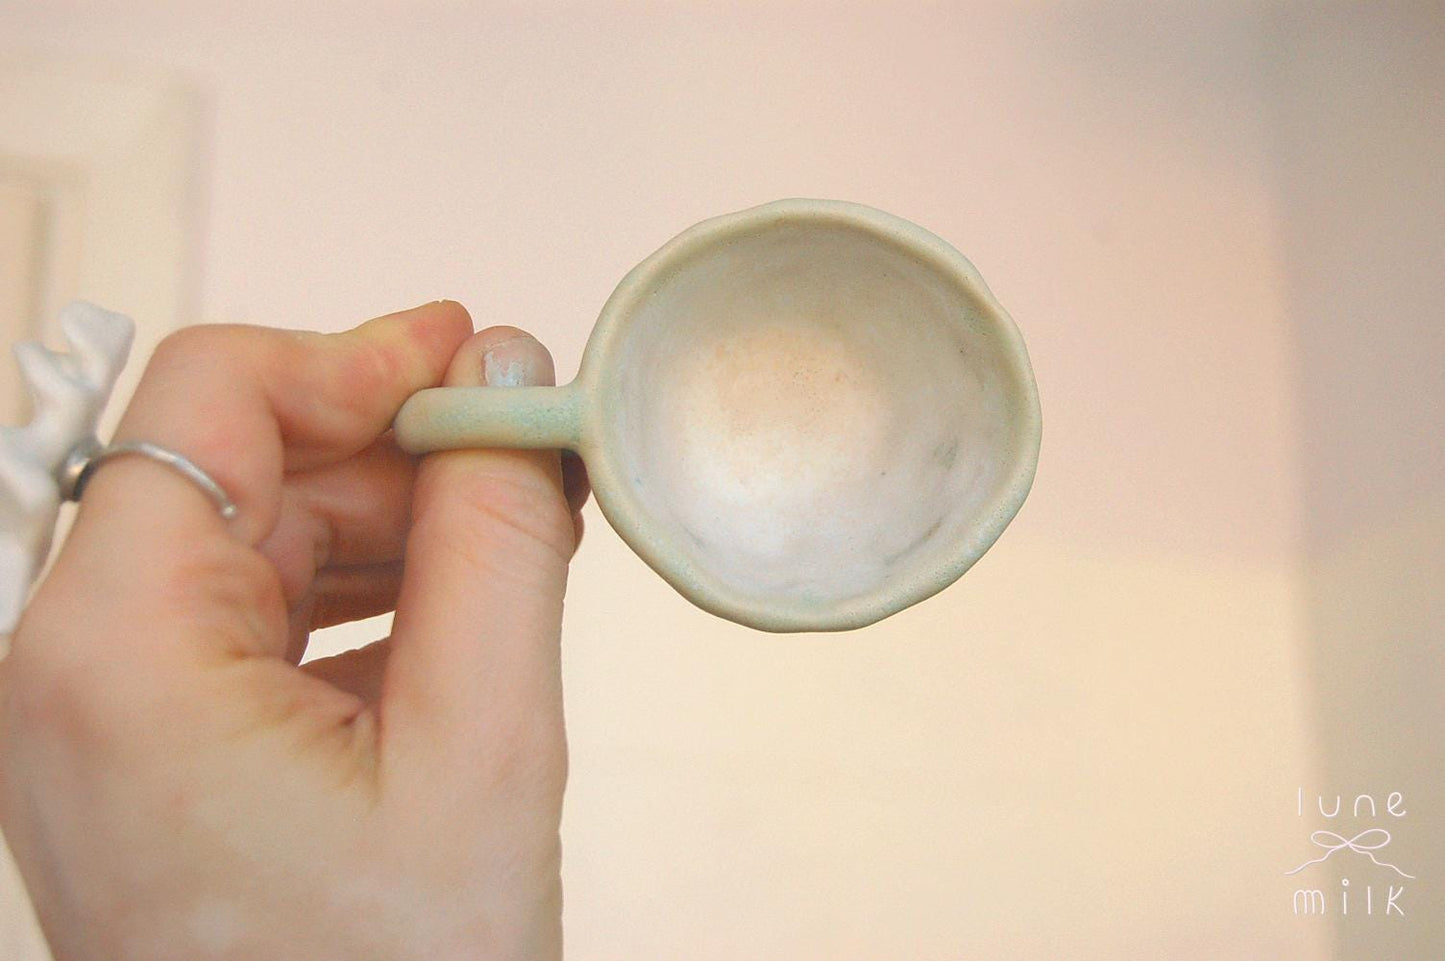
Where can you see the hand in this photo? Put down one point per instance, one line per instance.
(173, 785)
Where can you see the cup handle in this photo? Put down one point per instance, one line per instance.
(454, 418)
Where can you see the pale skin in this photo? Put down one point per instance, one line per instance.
(173, 785)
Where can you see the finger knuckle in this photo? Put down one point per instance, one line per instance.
(509, 513)
(202, 342)
(229, 592)
(360, 383)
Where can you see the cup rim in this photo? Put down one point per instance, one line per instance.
(630, 518)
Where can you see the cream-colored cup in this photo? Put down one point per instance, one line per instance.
(805, 416)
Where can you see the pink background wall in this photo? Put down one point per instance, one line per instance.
(1219, 227)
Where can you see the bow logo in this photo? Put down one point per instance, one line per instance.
(1366, 842)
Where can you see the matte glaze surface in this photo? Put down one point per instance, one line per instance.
(806, 416)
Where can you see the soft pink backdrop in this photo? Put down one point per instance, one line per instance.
(1217, 225)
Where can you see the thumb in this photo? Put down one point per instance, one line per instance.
(473, 683)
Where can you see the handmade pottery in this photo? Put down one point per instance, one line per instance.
(805, 416)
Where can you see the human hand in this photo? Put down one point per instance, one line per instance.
(173, 785)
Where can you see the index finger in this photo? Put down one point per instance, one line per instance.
(150, 551)
(248, 404)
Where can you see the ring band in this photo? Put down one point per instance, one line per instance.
(83, 464)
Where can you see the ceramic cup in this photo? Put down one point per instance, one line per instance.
(805, 416)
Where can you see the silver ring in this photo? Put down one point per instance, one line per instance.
(84, 461)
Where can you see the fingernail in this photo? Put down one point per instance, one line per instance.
(513, 363)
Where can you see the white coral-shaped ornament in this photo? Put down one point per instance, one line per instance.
(40, 461)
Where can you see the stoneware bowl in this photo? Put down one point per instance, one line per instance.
(806, 416)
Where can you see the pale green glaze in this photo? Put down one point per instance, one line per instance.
(805, 416)
(448, 418)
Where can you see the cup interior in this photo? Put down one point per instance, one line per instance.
(812, 418)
